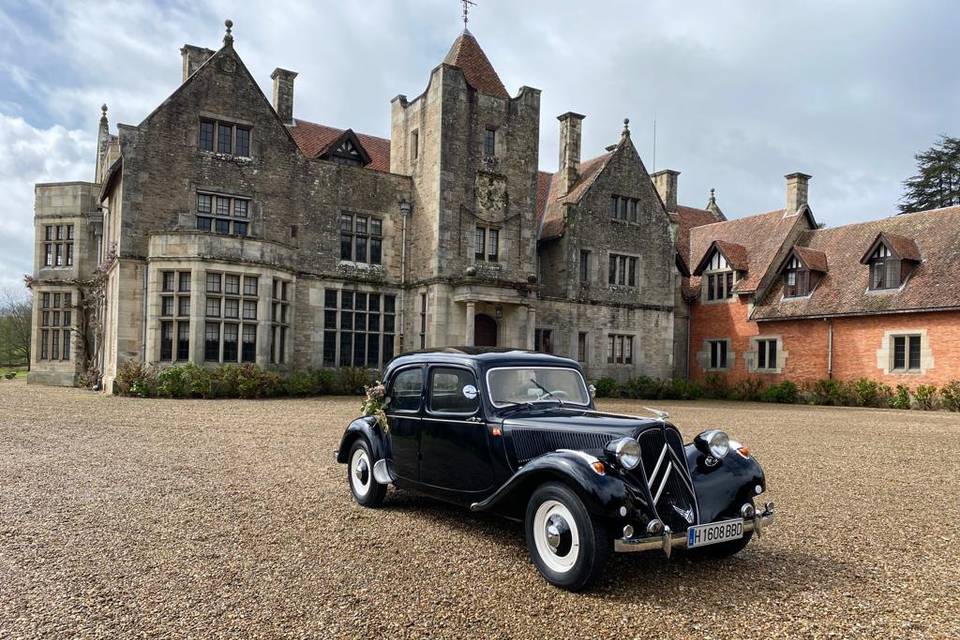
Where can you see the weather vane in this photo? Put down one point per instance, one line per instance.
(466, 10)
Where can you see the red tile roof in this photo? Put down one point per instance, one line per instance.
(315, 139)
(905, 248)
(687, 218)
(551, 213)
(933, 284)
(812, 259)
(470, 58)
(762, 237)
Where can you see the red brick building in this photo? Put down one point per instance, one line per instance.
(775, 297)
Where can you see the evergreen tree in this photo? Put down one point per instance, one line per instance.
(937, 183)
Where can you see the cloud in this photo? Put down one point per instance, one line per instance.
(742, 92)
(29, 155)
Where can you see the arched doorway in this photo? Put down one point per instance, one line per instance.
(484, 331)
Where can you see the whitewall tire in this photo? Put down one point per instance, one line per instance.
(364, 487)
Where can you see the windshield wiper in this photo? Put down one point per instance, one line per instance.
(510, 404)
(546, 391)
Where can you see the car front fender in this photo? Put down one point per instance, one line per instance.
(602, 494)
(368, 428)
(724, 487)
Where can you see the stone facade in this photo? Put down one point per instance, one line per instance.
(445, 243)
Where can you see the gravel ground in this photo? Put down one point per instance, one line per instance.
(152, 518)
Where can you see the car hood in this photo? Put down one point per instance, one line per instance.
(570, 419)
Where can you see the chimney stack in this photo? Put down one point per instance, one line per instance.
(666, 183)
(193, 57)
(568, 172)
(283, 93)
(797, 186)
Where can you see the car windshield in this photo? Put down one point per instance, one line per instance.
(523, 385)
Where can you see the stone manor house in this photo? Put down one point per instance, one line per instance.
(223, 229)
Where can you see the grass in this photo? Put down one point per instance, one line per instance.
(21, 372)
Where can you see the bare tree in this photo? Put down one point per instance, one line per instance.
(16, 323)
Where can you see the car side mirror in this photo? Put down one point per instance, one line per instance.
(593, 391)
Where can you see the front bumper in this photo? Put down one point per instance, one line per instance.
(667, 541)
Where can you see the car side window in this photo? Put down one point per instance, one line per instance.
(453, 391)
(407, 390)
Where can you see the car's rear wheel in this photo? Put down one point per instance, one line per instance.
(364, 487)
(566, 544)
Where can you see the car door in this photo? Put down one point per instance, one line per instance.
(403, 415)
(454, 443)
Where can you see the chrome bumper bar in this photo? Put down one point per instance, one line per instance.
(667, 541)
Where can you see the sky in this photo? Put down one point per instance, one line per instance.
(742, 92)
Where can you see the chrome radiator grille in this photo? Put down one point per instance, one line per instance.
(668, 478)
(530, 443)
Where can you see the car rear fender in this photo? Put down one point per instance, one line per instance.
(602, 494)
(365, 427)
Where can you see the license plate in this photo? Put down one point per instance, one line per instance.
(707, 534)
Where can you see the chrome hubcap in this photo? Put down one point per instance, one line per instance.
(556, 528)
(360, 472)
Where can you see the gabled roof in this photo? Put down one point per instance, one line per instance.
(735, 255)
(316, 140)
(470, 58)
(687, 218)
(933, 284)
(762, 236)
(812, 259)
(551, 214)
(903, 247)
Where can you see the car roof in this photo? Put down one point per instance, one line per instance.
(484, 357)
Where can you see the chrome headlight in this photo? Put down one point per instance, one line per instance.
(713, 442)
(626, 451)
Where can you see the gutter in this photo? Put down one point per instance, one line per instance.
(829, 322)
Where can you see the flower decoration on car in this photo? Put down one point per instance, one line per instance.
(374, 404)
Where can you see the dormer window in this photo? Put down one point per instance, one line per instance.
(884, 269)
(890, 259)
(346, 150)
(719, 278)
(796, 279)
(722, 265)
(347, 154)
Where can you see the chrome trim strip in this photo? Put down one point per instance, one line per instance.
(666, 474)
(656, 467)
(432, 419)
(403, 417)
(648, 543)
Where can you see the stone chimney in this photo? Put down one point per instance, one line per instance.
(666, 183)
(193, 57)
(283, 93)
(568, 172)
(797, 186)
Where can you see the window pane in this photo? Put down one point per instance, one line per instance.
(231, 284)
(204, 224)
(447, 391)
(243, 141)
(211, 342)
(762, 354)
(167, 280)
(166, 306)
(223, 206)
(346, 222)
(250, 285)
(183, 341)
(230, 342)
(166, 340)
(406, 390)
(183, 306)
(376, 251)
(240, 228)
(184, 281)
(480, 243)
(249, 309)
(213, 283)
(376, 226)
(346, 246)
(329, 348)
(772, 354)
(241, 208)
(632, 272)
(613, 270)
(361, 249)
(206, 135)
(494, 249)
(231, 308)
(213, 307)
(389, 303)
(204, 203)
(893, 273)
(914, 352)
(728, 291)
(224, 138)
(249, 353)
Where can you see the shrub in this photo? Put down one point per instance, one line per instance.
(606, 388)
(926, 397)
(171, 383)
(829, 392)
(785, 392)
(350, 381)
(197, 381)
(749, 389)
(950, 395)
(680, 389)
(715, 386)
(641, 387)
(302, 383)
(134, 378)
(901, 398)
(868, 393)
(254, 382)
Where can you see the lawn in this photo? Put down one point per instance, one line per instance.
(122, 517)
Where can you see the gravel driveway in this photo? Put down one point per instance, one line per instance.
(151, 518)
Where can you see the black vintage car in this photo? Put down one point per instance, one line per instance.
(517, 433)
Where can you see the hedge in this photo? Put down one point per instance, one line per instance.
(854, 393)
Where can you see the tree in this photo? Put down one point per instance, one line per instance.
(937, 183)
(16, 322)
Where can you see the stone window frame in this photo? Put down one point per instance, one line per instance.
(280, 320)
(58, 240)
(217, 144)
(582, 354)
(56, 326)
(423, 320)
(217, 322)
(584, 271)
(623, 341)
(544, 336)
(414, 145)
(624, 209)
(705, 356)
(490, 141)
(372, 234)
(335, 315)
(752, 356)
(175, 295)
(485, 238)
(625, 259)
(210, 215)
(885, 354)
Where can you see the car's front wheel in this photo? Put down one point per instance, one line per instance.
(566, 544)
(365, 488)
